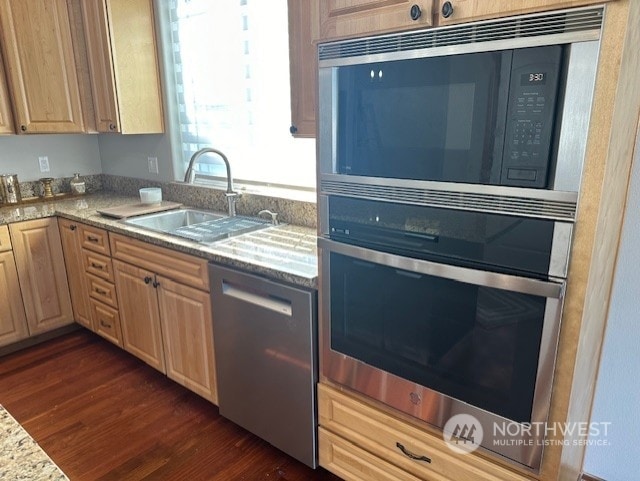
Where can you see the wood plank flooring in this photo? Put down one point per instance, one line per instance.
(102, 414)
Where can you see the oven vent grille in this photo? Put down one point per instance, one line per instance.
(472, 201)
(566, 23)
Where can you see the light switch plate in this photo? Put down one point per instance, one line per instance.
(153, 164)
(44, 163)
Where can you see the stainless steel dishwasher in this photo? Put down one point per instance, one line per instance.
(265, 347)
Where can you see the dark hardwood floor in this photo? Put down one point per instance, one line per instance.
(100, 413)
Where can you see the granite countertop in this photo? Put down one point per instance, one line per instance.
(284, 252)
(21, 458)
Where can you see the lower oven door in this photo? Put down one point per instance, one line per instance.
(436, 340)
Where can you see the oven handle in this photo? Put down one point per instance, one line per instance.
(523, 285)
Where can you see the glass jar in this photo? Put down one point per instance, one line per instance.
(77, 185)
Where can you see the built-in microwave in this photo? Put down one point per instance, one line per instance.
(449, 170)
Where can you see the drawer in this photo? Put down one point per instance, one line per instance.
(95, 239)
(381, 433)
(5, 240)
(106, 322)
(180, 267)
(354, 464)
(97, 264)
(102, 290)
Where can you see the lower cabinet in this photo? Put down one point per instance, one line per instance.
(72, 248)
(165, 312)
(359, 442)
(13, 322)
(37, 250)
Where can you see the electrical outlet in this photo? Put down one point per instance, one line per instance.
(153, 164)
(44, 163)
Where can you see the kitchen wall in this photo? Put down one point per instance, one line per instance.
(618, 386)
(67, 154)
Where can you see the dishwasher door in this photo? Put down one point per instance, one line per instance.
(265, 347)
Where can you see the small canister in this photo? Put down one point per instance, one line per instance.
(10, 188)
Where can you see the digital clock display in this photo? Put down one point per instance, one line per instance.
(537, 78)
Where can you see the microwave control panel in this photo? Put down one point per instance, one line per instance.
(533, 91)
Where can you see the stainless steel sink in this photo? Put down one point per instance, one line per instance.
(197, 225)
(171, 220)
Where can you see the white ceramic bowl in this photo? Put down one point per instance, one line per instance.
(151, 195)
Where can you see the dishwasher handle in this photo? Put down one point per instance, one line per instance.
(257, 297)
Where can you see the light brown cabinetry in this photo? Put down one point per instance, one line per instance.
(165, 311)
(303, 65)
(358, 442)
(41, 69)
(353, 18)
(6, 119)
(13, 322)
(123, 65)
(472, 10)
(72, 248)
(41, 271)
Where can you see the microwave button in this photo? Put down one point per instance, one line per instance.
(522, 174)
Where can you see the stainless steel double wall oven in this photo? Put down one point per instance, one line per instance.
(449, 169)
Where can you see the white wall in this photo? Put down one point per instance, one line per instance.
(618, 387)
(127, 155)
(67, 154)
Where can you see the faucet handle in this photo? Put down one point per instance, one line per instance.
(274, 216)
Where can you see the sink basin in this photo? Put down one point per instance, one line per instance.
(171, 220)
(197, 225)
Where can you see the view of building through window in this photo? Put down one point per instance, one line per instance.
(231, 63)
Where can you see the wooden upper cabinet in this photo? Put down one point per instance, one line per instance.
(123, 65)
(41, 69)
(303, 65)
(6, 120)
(473, 10)
(354, 18)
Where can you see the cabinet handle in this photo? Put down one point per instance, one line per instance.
(415, 12)
(293, 130)
(410, 455)
(147, 280)
(156, 284)
(100, 291)
(72, 227)
(97, 266)
(447, 9)
(105, 324)
(112, 127)
(92, 239)
(23, 128)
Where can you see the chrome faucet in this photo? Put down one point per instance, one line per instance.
(230, 194)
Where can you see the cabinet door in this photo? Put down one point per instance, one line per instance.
(43, 280)
(13, 322)
(303, 66)
(472, 10)
(185, 313)
(6, 120)
(38, 51)
(70, 237)
(123, 62)
(139, 314)
(353, 18)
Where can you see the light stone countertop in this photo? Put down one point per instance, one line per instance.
(284, 253)
(21, 458)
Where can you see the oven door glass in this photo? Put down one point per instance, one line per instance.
(475, 343)
(432, 118)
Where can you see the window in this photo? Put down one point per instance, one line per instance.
(231, 70)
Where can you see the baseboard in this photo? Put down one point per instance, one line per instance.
(32, 341)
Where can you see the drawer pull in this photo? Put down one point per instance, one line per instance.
(100, 291)
(409, 454)
(92, 239)
(105, 324)
(97, 266)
